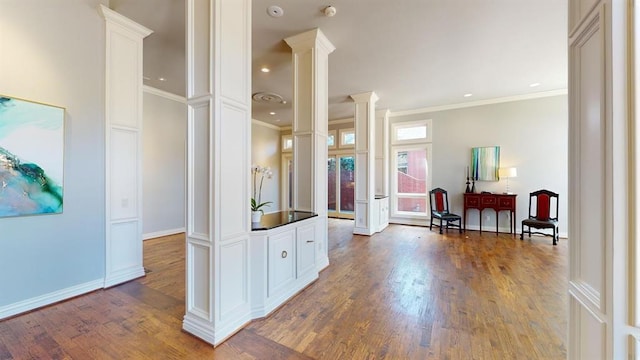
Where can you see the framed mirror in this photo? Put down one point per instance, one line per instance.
(485, 162)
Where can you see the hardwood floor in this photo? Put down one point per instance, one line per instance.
(405, 293)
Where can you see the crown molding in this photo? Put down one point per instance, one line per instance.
(167, 95)
(267, 125)
(349, 120)
(481, 102)
(117, 18)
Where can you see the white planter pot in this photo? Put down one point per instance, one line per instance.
(256, 216)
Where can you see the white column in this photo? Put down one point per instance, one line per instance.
(311, 51)
(365, 128)
(218, 184)
(123, 153)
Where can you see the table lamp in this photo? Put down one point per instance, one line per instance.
(507, 173)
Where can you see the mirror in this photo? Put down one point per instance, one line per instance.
(485, 162)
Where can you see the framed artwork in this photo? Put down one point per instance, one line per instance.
(485, 162)
(31, 157)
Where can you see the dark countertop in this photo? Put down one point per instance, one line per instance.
(280, 218)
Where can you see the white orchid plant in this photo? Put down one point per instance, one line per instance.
(261, 172)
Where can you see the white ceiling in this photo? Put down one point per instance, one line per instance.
(412, 53)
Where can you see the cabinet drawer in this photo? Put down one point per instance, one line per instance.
(488, 201)
(471, 200)
(506, 203)
(281, 261)
(306, 252)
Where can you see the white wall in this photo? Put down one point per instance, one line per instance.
(265, 151)
(53, 52)
(164, 163)
(532, 135)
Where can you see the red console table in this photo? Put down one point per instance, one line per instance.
(497, 202)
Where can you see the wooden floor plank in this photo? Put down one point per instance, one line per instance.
(405, 293)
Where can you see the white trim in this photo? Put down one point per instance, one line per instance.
(349, 120)
(157, 234)
(123, 21)
(480, 102)
(267, 125)
(50, 298)
(167, 95)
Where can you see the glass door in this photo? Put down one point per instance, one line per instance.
(341, 185)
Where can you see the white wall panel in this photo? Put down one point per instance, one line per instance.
(303, 92)
(589, 163)
(236, 50)
(199, 69)
(304, 169)
(362, 169)
(125, 247)
(234, 174)
(123, 88)
(233, 276)
(362, 217)
(199, 151)
(362, 127)
(199, 299)
(124, 174)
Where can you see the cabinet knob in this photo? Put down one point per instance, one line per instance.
(284, 254)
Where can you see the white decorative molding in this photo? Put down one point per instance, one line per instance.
(167, 95)
(348, 120)
(480, 102)
(264, 124)
(157, 234)
(50, 298)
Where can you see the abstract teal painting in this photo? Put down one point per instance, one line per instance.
(485, 162)
(31, 157)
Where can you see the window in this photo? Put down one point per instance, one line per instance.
(347, 138)
(412, 132)
(331, 139)
(287, 142)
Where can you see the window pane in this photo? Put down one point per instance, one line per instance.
(331, 183)
(412, 205)
(411, 133)
(288, 143)
(412, 172)
(331, 140)
(347, 183)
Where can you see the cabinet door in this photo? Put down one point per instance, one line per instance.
(281, 261)
(306, 249)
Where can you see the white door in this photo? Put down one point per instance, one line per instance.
(602, 320)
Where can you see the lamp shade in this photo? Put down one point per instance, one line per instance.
(509, 172)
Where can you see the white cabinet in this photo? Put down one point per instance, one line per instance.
(380, 213)
(283, 262)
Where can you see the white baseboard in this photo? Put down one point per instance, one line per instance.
(48, 299)
(156, 234)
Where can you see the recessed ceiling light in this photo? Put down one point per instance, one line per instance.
(275, 11)
(272, 113)
(265, 70)
(162, 79)
(468, 95)
(534, 84)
